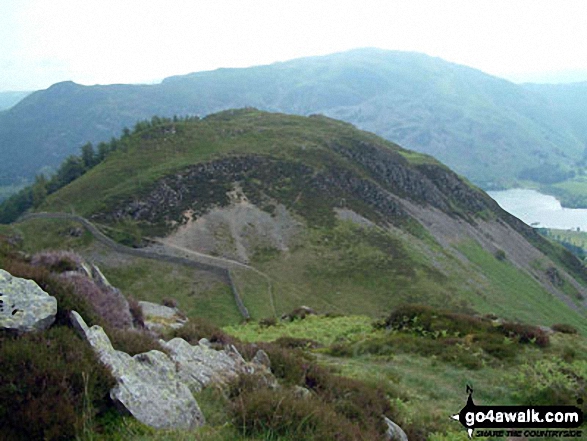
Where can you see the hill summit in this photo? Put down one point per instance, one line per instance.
(313, 211)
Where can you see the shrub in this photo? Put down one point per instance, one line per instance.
(57, 261)
(138, 318)
(198, 328)
(551, 382)
(564, 328)
(298, 314)
(132, 341)
(67, 298)
(46, 380)
(465, 340)
(268, 322)
(427, 321)
(169, 302)
(357, 401)
(525, 333)
(294, 342)
(289, 366)
(500, 255)
(109, 304)
(259, 411)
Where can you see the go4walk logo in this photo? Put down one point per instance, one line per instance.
(529, 421)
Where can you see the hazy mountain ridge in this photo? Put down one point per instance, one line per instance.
(9, 99)
(484, 127)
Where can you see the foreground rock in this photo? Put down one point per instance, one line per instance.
(148, 385)
(200, 365)
(394, 432)
(160, 317)
(156, 388)
(24, 307)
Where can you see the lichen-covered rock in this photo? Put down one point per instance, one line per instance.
(394, 432)
(148, 385)
(24, 306)
(200, 365)
(261, 358)
(159, 317)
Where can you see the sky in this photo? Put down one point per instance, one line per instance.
(43, 42)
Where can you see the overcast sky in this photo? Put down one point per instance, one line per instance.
(131, 41)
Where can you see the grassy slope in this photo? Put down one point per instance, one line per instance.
(330, 269)
(424, 391)
(132, 170)
(429, 389)
(508, 292)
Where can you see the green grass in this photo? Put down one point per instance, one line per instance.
(256, 292)
(196, 292)
(424, 390)
(323, 330)
(43, 234)
(576, 239)
(572, 192)
(354, 270)
(507, 292)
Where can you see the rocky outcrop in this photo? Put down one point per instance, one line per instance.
(24, 306)
(199, 188)
(159, 317)
(148, 384)
(200, 365)
(156, 388)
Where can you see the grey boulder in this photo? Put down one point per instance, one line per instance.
(394, 432)
(24, 306)
(201, 365)
(160, 317)
(148, 384)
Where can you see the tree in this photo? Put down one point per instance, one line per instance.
(39, 190)
(71, 169)
(103, 150)
(89, 157)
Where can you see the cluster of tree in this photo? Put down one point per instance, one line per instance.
(75, 166)
(577, 250)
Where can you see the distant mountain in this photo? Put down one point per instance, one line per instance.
(9, 99)
(488, 129)
(569, 101)
(552, 77)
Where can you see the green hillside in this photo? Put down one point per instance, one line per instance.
(492, 131)
(330, 216)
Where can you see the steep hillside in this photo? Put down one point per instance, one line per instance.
(569, 101)
(310, 210)
(488, 129)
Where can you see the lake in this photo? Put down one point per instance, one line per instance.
(540, 210)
